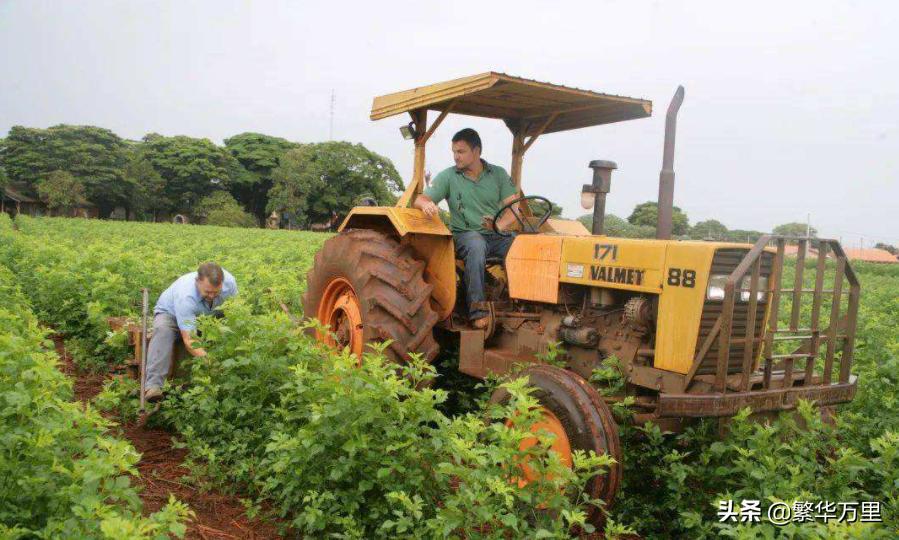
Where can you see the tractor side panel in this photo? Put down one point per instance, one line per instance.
(615, 263)
(684, 284)
(532, 267)
(430, 238)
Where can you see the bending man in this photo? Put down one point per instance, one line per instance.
(191, 295)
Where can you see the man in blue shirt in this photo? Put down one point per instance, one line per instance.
(191, 295)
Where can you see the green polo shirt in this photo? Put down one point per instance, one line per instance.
(470, 200)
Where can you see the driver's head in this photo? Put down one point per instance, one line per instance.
(466, 148)
(210, 277)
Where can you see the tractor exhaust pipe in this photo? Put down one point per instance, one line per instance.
(595, 194)
(666, 176)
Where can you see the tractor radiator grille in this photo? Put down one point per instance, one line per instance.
(724, 262)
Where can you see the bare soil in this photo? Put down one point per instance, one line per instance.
(218, 515)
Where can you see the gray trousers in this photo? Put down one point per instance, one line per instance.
(159, 353)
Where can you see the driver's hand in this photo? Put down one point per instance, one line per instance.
(487, 223)
(430, 209)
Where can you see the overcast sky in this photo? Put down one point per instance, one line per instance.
(791, 107)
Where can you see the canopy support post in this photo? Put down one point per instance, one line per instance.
(420, 119)
(539, 131)
(520, 146)
(422, 134)
(439, 120)
(517, 157)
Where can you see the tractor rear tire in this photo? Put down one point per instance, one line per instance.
(371, 289)
(587, 422)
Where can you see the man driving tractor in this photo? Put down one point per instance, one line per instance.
(474, 190)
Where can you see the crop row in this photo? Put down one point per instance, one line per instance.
(61, 475)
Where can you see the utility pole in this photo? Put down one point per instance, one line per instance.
(808, 233)
(331, 125)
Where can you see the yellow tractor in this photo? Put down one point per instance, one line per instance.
(694, 327)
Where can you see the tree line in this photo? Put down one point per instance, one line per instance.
(238, 183)
(241, 182)
(642, 221)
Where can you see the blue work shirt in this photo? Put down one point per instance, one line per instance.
(183, 301)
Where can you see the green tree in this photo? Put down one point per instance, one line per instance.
(4, 179)
(647, 214)
(314, 180)
(887, 247)
(795, 229)
(220, 208)
(744, 236)
(710, 229)
(538, 207)
(192, 168)
(94, 156)
(61, 191)
(618, 227)
(149, 194)
(259, 154)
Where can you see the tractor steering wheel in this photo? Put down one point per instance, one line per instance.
(526, 227)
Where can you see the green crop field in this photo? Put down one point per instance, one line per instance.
(336, 450)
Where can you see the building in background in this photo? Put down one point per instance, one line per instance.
(18, 199)
(871, 255)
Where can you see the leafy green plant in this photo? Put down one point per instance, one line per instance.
(60, 474)
(118, 397)
(554, 354)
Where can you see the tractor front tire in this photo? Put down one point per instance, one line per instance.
(576, 413)
(368, 288)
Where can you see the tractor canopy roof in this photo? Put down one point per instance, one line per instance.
(537, 107)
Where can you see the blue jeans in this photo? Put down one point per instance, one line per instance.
(474, 247)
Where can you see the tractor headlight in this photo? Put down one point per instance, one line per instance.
(760, 294)
(715, 290)
(588, 199)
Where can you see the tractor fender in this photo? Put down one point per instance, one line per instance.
(429, 237)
